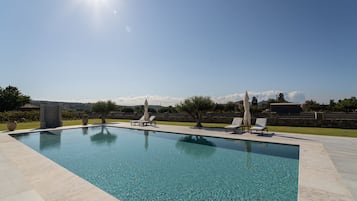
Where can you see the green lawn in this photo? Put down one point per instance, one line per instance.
(315, 131)
(36, 124)
(288, 129)
(176, 123)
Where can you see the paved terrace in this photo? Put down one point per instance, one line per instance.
(327, 167)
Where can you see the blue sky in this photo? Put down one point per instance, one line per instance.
(90, 50)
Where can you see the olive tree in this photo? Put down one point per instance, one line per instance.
(103, 108)
(196, 106)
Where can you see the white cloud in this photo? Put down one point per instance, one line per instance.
(153, 100)
(115, 12)
(293, 96)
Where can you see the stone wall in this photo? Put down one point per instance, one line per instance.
(326, 123)
(181, 117)
(327, 120)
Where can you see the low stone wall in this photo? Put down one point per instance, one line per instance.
(302, 120)
(326, 123)
(181, 117)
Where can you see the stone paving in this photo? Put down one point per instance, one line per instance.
(327, 167)
(343, 152)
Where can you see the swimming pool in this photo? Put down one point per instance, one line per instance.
(144, 165)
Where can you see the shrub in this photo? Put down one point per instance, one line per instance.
(20, 116)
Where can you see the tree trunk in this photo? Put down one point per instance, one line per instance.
(103, 119)
(198, 120)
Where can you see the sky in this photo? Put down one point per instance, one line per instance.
(168, 50)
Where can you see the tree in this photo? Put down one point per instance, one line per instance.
(269, 101)
(103, 108)
(196, 106)
(254, 101)
(151, 110)
(11, 99)
(139, 109)
(347, 104)
(168, 109)
(311, 105)
(255, 107)
(332, 105)
(218, 107)
(230, 107)
(280, 98)
(127, 110)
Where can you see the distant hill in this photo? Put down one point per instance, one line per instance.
(65, 105)
(80, 106)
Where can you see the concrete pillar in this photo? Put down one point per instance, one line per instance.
(42, 116)
(51, 115)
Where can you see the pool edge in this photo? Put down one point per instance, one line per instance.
(318, 177)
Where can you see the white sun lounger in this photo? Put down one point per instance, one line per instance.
(133, 122)
(260, 125)
(236, 124)
(150, 121)
(142, 122)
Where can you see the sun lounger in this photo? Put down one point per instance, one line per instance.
(150, 121)
(236, 124)
(133, 122)
(142, 122)
(260, 125)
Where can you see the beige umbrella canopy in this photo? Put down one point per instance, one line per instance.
(246, 117)
(146, 110)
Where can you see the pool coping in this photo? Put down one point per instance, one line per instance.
(33, 175)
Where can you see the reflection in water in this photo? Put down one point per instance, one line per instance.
(248, 146)
(248, 149)
(50, 139)
(184, 144)
(85, 130)
(146, 144)
(104, 136)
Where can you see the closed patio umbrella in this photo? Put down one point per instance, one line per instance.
(246, 117)
(146, 110)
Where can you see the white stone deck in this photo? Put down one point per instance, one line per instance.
(27, 174)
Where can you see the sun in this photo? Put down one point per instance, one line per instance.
(96, 2)
(95, 5)
(97, 11)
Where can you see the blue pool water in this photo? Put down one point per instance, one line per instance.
(145, 165)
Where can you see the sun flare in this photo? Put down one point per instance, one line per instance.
(95, 5)
(96, 2)
(98, 10)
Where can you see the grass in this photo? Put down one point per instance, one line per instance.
(315, 131)
(287, 129)
(22, 125)
(36, 124)
(176, 123)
